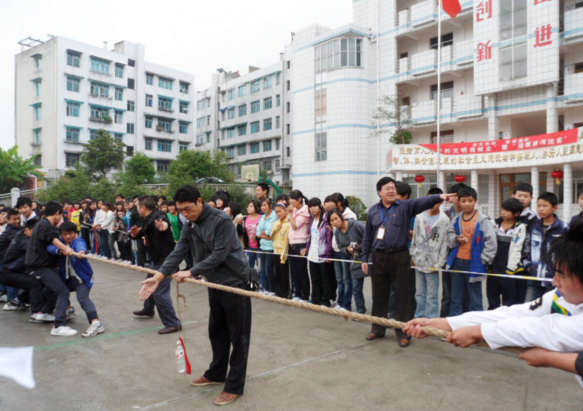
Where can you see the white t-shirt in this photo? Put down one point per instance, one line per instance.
(314, 243)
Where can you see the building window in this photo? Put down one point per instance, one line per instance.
(38, 62)
(288, 151)
(182, 147)
(242, 130)
(200, 139)
(255, 86)
(73, 59)
(254, 148)
(162, 166)
(446, 90)
(278, 100)
(149, 100)
(129, 151)
(255, 127)
(243, 110)
(277, 144)
(164, 103)
(130, 128)
(73, 109)
(322, 102)
(277, 122)
(446, 40)
(184, 88)
(71, 159)
(512, 51)
(446, 137)
(243, 90)
(267, 145)
(277, 166)
(267, 82)
(118, 117)
(119, 94)
(321, 147)
(230, 132)
(165, 146)
(267, 103)
(131, 105)
(72, 135)
(149, 121)
(184, 107)
(148, 144)
(208, 120)
(38, 161)
(231, 113)
(98, 113)
(38, 137)
(288, 129)
(288, 106)
(131, 83)
(118, 138)
(99, 90)
(242, 150)
(165, 83)
(183, 128)
(100, 66)
(165, 124)
(38, 87)
(255, 106)
(73, 84)
(92, 134)
(288, 85)
(231, 94)
(200, 122)
(338, 53)
(201, 105)
(119, 70)
(149, 79)
(267, 165)
(267, 124)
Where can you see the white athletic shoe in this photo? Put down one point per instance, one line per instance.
(41, 318)
(296, 299)
(94, 329)
(10, 307)
(3, 298)
(63, 331)
(71, 314)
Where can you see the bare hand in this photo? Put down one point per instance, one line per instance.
(135, 231)
(290, 209)
(148, 287)
(350, 249)
(303, 252)
(161, 225)
(365, 268)
(462, 239)
(448, 197)
(414, 328)
(466, 336)
(181, 275)
(239, 220)
(535, 357)
(81, 255)
(68, 251)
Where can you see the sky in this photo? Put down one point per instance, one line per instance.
(196, 36)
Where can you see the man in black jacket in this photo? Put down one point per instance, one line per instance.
(218, 255)
(12, 228)
(154, 225)
(135, 220)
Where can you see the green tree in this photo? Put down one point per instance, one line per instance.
(14, 169)
(102, 155)
(74, 185)
(358, 207)
(140, 169)
(103, 190)
(192, 165)
(394, 111)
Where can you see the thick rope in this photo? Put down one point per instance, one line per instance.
(385, 322)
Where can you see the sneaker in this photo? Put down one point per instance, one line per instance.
(41, 318)
(71, 314)
(333, 304)
(94, 329)
(271, 293)
(296, 299)
(10, 307)
(63, 331)
(3, 298)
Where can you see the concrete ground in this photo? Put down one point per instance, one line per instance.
(299, 360)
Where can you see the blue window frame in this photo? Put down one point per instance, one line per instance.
(165, 146)
(242, 150)
(254, 148)
(118, 137)
(243, 91)
(92, 134)
(99, 66)
(267, 82)
(164, 103)
(73, 84)
(149, 121)
(165, 83)
(165, 124)
(243, 110)
(119, 70)
(38, 112)
(149, 100)
(99, 90)
(255, 127)
(200, 122)
(184, 107)
(255, 86)
(73, 109)
(119, 94)
(278, 100)
(130, 128)
(267, 124)
(255, 106)
(148, 144)
(131, 105)
(38, 87)
(230, 132)
(231, 113)
(73, 59)
(267, 145)
(72, 135)
(149, 79)
(267, 103)
(38, 136)
(183, 128)
(231, 94)
(242, 130)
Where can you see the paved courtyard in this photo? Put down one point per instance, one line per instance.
(299, 360)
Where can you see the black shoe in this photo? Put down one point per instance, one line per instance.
(170, 330)
(143, 313)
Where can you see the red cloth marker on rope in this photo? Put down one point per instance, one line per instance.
(188, 367)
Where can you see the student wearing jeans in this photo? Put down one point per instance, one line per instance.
(266, 257)
(250, 225)
(299, 216)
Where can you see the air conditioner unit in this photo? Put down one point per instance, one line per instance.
(569, 127)
(250, 172)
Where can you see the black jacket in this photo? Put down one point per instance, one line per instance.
(159, 243)
(37, 255)
(6, 238)
(574, 220)
(16, 253)
(134, 217)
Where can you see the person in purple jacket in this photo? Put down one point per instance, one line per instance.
(319, 252)
(77, 275)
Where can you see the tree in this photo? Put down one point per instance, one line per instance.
(14, 169)
(191, 165)
(357, 206)
(395, 111)
(102, 155)
(73, 186)
(103, 189)
(139, 169)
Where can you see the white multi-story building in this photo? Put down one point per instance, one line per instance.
(67, 90)
(511, 77)
(249, 118)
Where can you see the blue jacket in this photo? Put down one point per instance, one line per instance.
(538, 244)
(82, 267)
(484, 245)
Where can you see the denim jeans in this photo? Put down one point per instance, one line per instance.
(252, 256)
(266, 272)
(52, 280)
(104, 243)
(536, 289)
(426, 294)
(93, 241)
(460, 286)
(344, 279)
(357, 285)
(111, 237)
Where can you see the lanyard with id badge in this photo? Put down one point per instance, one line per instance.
(382, 229)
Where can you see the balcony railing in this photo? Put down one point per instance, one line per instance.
(452, 109)
(165, 108)
(573, 19)
(100, 120)
(99, 95)
(573, 88)
(459, 56)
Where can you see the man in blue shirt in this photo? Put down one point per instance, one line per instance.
(385, 244)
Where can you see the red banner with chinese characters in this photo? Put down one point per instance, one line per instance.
(514, 144)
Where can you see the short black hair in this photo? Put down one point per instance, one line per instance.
(403, 189)
(148, 202)
(263, 186)
(549, 197)
(212, 199)
(12, 212)
(434, 190)
(23, 201)
(135, 197)
(235, 208)
(120, 195)
(579, 194)
(187, 193)
(30, 223)
(68, 226)
(256, 205)
(566, 251)
(52, 208)
(282, 197)
(164, 203)
(467, 192)
(171, 203)
(162, 197)
(457, 187)
(513, 205)
(526, 187)
(383, 182)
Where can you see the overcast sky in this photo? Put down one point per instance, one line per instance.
(196, 36)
